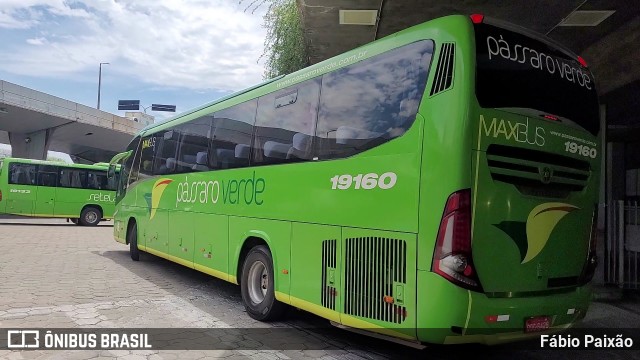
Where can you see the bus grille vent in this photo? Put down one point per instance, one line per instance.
(443, 78)
(375, 275)
(329, 291)
(537, 173)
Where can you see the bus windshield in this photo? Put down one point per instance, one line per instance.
(515, 70)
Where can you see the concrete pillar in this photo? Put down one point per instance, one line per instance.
(601, 247)
(616, 172)
(603, 168)
(33, 145)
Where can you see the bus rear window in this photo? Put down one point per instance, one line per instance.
(518, 71)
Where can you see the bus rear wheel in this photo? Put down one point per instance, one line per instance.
(132, 237)
(257, 288)
(90, 216)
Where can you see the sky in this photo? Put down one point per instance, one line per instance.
(176, 52)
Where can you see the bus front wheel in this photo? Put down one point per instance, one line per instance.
(257, 288)
(133, 242)
(90, 216)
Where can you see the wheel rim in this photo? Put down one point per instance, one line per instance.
(91, 216)
(258, 282)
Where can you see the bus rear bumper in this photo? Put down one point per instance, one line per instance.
(453, 315)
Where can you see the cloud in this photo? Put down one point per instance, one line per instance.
(37, 41)
(193, 44)
(24, 14)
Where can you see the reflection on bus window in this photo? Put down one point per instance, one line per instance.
(22, 174)
(373, 101)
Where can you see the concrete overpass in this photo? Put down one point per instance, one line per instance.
(34, 122)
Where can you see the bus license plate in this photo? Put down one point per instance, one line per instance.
(538, 323)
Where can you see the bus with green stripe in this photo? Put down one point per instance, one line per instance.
(37, 188)
(437, 186)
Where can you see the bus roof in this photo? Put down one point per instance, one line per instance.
(152, 126)
(101, 166)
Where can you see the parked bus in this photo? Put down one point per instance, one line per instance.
(437, 185)
(81, 193)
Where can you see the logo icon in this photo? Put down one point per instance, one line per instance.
(546, 174)
(21, 339)
(532, 236)
(153, 199)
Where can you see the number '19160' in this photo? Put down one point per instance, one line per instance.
(583, 150)
(364, 181)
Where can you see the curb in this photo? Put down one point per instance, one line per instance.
(607, 293)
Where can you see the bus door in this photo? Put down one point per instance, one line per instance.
(46, 194)
(21, 189)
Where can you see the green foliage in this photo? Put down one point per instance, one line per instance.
(284, 46)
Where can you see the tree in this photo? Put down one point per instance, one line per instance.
(284, 47)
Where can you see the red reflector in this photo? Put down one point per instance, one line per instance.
(550, 117)
(491, 318)
(477, 19)
(581, 61)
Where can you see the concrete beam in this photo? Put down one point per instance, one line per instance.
(31, 146)
(42, 106)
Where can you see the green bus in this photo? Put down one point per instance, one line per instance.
(437, 186)
(81, 193)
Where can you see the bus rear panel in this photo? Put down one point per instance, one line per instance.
(521, 240)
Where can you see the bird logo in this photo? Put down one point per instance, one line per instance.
(153, 199)
(532, 236)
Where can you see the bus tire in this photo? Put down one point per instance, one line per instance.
(90, 216)
(256, 286)
(132, 237)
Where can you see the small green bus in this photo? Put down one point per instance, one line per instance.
(438, 185)
(81, 193)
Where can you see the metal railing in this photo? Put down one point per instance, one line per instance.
(622, 247)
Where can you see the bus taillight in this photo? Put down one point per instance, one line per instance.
(0, 195)
(452, 258)
(581, 61)
(477, 18)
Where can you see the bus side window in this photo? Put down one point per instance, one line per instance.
(73, 178)
(22, 174)
(166, 152)
(230, 139)
(47, 175)
(382, 96)
(97, 180)
(285, 123)
(147, 154)
(194, 145)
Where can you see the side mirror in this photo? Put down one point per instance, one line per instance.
(111, 172)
